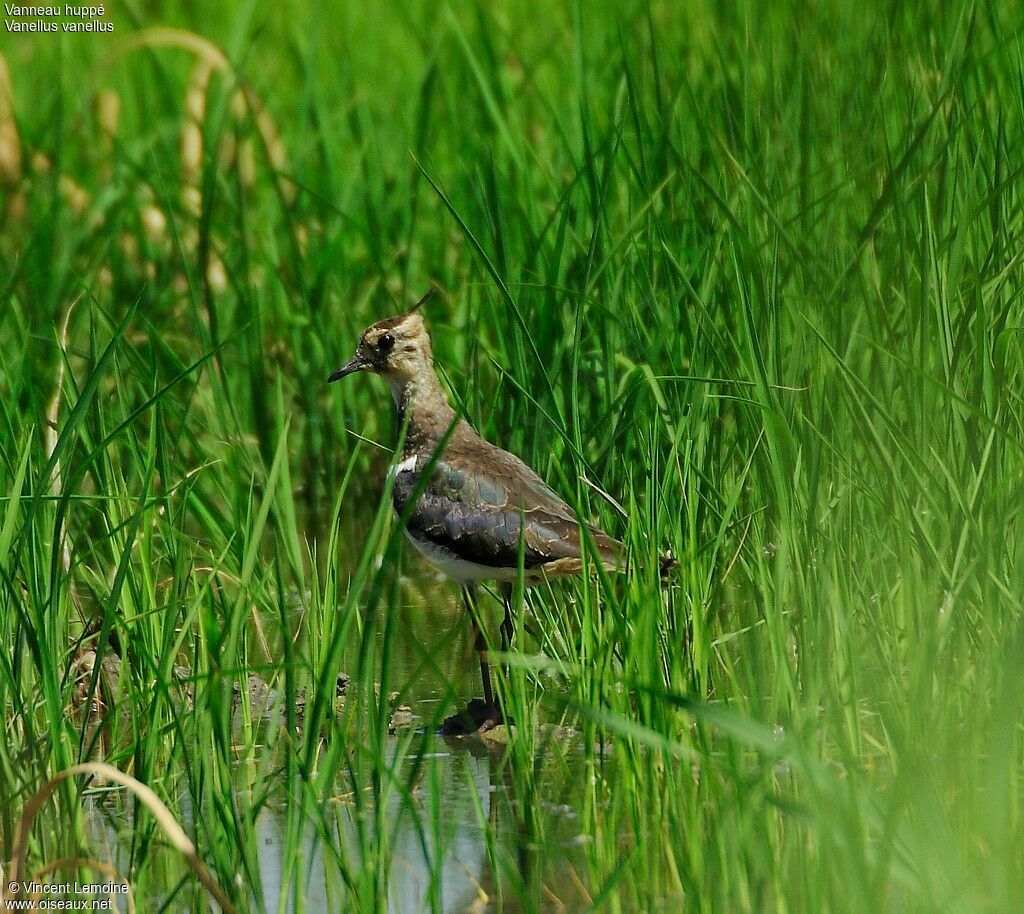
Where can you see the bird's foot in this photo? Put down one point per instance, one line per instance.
(477, 717)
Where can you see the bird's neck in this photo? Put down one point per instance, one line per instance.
(422, 400)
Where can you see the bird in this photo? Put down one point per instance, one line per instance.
(479, 512)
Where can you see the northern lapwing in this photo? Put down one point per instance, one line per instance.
(483, 513)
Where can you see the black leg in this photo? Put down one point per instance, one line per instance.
(508, 628)
(480, 642)
(479, 715)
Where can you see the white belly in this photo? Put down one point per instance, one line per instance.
(459, 570)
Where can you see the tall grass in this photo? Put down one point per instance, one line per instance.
(740, 282)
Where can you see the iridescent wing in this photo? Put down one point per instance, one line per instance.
(480, 515)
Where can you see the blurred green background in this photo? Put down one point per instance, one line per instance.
(739, 280)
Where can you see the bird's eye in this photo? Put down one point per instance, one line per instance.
(386, 342)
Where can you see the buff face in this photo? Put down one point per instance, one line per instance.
(397, 348)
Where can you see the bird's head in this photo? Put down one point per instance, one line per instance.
(397, 348)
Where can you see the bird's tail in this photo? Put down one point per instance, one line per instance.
(667, 564)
